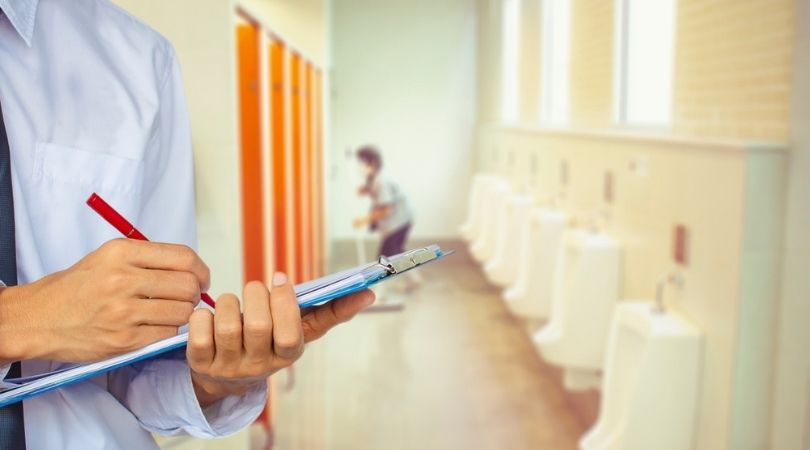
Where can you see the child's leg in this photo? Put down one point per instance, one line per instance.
(394, 242)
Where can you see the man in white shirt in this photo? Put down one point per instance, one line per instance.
(91, 101)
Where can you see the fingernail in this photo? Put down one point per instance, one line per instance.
(279, 279)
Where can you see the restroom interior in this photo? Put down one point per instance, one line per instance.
(675, 129)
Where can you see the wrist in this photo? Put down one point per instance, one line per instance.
(18, 340)
(210, 391)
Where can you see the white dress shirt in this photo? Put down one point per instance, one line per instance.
(93, 102)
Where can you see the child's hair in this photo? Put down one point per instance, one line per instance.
(369, 154)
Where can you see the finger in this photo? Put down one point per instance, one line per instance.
(162, 312)
(228, 331)
(156, 255)
(288, 334)
(200, 351)
(320, 319)
(169, 285)
(257, 332)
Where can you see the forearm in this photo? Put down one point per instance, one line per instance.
(20, 338)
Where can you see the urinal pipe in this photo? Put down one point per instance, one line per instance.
(674, 279)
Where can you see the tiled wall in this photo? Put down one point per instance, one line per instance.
(592, 25)
(733, 68)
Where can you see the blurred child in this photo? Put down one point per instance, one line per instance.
(390, 214)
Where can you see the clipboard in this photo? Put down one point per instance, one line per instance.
(312, 293)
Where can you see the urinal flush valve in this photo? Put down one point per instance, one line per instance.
(674, 279)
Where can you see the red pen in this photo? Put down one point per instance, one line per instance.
(127, 229)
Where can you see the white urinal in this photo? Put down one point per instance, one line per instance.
(479, 185)
(502, 268)
(585, 292)
(650, 387)
(538, 258)
(493, 207)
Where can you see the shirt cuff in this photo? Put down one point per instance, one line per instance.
(3, 373)
(173, 407)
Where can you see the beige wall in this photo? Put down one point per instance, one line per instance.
(488, 70)
(731, 90)
(529, 69)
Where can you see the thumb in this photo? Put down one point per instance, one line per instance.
(320, 319)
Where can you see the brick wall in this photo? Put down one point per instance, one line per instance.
(591, 63)
(733, 68)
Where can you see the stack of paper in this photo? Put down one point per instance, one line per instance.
(311, 293)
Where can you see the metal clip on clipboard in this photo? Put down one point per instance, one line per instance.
(408, 260)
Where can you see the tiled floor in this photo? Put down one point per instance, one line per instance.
(452, 370)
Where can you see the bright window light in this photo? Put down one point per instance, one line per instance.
(645, 54)
(556, 43)
(510, 54)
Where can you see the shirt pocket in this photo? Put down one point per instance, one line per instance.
(61, 181)
(60, 165)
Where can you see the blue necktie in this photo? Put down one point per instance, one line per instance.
(12, 430)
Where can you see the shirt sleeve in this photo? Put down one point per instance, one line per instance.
(3, 373)
(159, 392)
(386, 193)
(3, 369)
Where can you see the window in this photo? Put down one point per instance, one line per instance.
(510, 54)
(644, 56)
(556, 41)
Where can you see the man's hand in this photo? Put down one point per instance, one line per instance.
(122, 296)
(230, 353)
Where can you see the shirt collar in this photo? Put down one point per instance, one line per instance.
(21, 14)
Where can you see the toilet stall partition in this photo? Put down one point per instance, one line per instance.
(280, 158)
(252, 192)
(296, 270)
(318, 206)
(306, 172)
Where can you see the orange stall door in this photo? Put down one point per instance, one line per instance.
(306, 170)
(316, 159)
(297, 269)
(279, 157)
(314, 163)
(247, 41)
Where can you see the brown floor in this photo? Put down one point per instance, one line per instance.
(452, 370)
